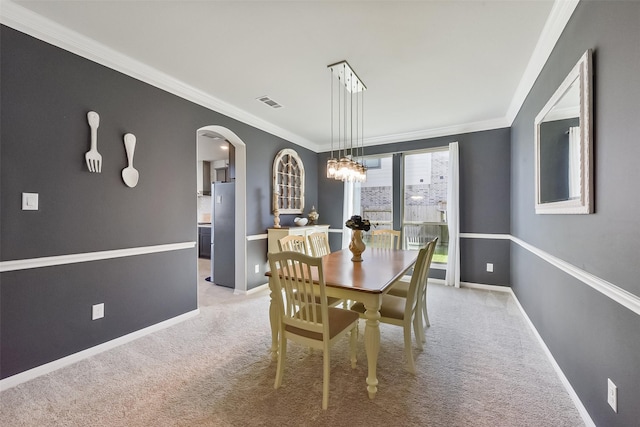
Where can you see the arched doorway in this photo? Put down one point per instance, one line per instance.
(240, 201)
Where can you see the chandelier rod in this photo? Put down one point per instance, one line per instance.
(331, 109)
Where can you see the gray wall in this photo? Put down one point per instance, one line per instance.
(484, 199)
(45, 313)
(591, 337)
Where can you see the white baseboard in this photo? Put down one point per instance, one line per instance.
(563, 379)
(565, 382)
(470, 285)
(485, 287)
(25, 376)
(252, 290)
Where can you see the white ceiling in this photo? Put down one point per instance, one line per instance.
(431, 67)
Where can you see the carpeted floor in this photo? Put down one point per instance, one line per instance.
(481, 367)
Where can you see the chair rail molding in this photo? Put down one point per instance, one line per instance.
(25, 264)
(616, 293)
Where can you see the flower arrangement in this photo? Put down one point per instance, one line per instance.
(357, 223)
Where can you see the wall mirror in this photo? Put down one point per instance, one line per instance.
(563, 146)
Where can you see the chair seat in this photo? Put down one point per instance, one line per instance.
(340, 319)
(392, 307)
(399, 289)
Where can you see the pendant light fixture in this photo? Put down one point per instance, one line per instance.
(347, 111)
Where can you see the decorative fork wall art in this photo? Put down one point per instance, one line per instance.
(93, 158)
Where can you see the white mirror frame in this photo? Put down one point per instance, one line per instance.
(583, 204)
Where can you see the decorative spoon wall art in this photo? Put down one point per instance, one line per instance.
(130, 174)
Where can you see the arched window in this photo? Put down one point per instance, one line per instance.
(288, 182)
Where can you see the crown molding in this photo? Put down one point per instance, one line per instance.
(434, 132)
(28, 22)
(561, 11)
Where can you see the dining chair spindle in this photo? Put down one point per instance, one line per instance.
(387, 239)
(319, 244)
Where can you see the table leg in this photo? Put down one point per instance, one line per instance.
(372, 345)
(273, 319)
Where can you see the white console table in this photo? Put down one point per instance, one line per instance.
(275, 234)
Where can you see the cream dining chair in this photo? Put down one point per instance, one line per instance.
(319, 244)
(293, 243)
(405, 312)
(313, 324)
(401, 288)
(388, 239)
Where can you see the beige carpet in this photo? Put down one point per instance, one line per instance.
(481, 367)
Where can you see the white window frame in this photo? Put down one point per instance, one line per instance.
(288, 182)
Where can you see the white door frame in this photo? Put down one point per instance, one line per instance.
(241, 202)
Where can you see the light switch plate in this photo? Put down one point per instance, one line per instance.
(29, 201)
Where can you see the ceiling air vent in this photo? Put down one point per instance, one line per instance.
(270, 102)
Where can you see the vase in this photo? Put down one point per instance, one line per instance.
(357, 246)
(313, 216)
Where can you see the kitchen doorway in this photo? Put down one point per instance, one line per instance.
(215, 134)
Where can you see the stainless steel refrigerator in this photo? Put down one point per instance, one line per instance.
(223, 233)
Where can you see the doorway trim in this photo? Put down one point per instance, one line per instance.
(241, 201)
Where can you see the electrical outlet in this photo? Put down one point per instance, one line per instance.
(257, 268)
(97, 311)
(612, 395)
(490, 267)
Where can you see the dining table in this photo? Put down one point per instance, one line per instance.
(365, 281)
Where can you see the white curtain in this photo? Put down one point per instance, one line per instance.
(574, 162)
(453, 217)
(351, 206)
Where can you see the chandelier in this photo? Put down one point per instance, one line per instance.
(347, 112)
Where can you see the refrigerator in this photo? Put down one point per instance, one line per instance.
(223, 233)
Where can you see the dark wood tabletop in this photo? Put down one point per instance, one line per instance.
(377, 271)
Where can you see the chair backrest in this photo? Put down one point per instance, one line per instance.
(415, 283)
(422, 287)
(388, 239)
(431, 249)
(293, 243)
(413, 236)
(319, 244)
(293, 277)
(431, 246)
(418, 283)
